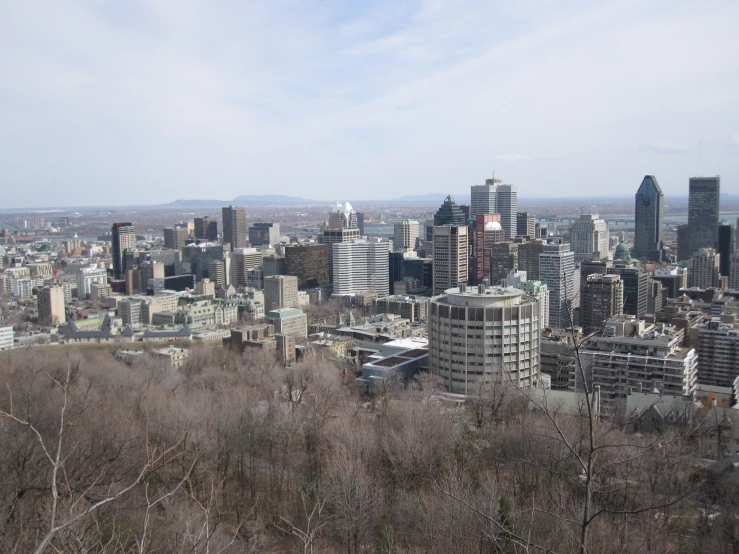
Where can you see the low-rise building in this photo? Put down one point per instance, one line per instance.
(173, 355)
(289, 321)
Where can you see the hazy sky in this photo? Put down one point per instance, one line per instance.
(126, 101)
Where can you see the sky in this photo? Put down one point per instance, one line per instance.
(113, 102)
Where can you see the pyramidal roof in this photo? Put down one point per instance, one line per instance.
(649, 185)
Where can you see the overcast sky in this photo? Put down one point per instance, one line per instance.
(127, 101)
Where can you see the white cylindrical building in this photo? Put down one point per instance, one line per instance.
(480, 335)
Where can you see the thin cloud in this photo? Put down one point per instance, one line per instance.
(661, 147)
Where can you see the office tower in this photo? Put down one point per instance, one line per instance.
(528, 258)
(734, 271)
(484, 198)
(289, 321)
(592, 267)
(705, 271)
(333, 236)
(243, 260)
(636, 292)
(122, 238)
(725, 247)
(507, 207)
(655, 297)
(717, 342)
(51, 305)
(342, 217)
(309, 264)
(451, 256)
(280, 291)
(175, 237)
(466, 212)
(200, 255)
(703, 212)
(449, 214)
(360, 223)
(648, 222)
(540, 291)
(150, 270)
(274, 265)
(589, 238)
(129, 310)
(499, 260)
(479, 336)
(672, 280)
(420, 269)
(206, 228)
(525, 225)
(264, 234)
(405, 235)
(361, 266)
(632, 353)
(557, 270)
(684, 246)
(234, 226)
(395, 269)
(86, 276)
(487, 232)
(217, 272)
(602, 298)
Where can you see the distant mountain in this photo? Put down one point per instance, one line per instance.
(433, 198)
(271, 199)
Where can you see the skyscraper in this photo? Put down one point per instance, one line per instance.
(51, 305)
(343, 217)
(484, 198)
(206, 228)
(405, 235)
(234, 226)
(507, 207)
(525, 225)
(450, 256)
(280, 291)
(649, 214)
(602, 298)
(332, 236)
(725, 247)
(361, 266)
(703, 212)
(449, 214)
(557, 270)
(589, 235)
(308, 263)
(175, 237)
(264, 234)
(705, 272)
(122, 238)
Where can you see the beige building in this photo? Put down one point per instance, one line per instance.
(51, 305)
(289, 321)
(205, 288)
(174, 355)
(280, 291)
(243, 260)
(405, 235)
(705, 271)
(451, 259)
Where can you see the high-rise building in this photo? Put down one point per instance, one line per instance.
(479, 336)
(264, 234)
(274, 265)
(602, 298)
(734, 271)
(405, 235)
(717, 342)
(649, 220)
(540, 291)
(525, 225)
(725, 247)
(487, 232)
(336, 235)
(449, 214)
(557, 270)
(636, 289)
(361, 266)
(234, 226)
(672, 280)
(289, 321)
(484, 198)
(528, 258)
(451, 256)
(684, 247)
(206, 228)
(309, 264)
(589, 236)
(51, 305)
(507, 207)
(86, 276)
(175, 237)
(243, 260)
(499, 260)
(343, 217)
(420, 269)
(150, 270)
(360, 223)
(705, 271)
(280, 291)
(122, 238)
(703, 212)
(217, 273)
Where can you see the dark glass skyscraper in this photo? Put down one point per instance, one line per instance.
(449, 214)
(725, 247)
(122, 238)
(649, 214)
(703, 210)
(234, 226)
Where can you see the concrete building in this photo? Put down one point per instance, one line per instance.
(361, 266)
(173, 356)
(672, 280)
(234, 226)
(280, 291)
(217, 273)
(451, 256)
(636, 289)
(557, 270)
(409, 307)
(51, 305)
(631, 355)
(484, 198)
(206, 287)
(129, 310)
(540, 291)
(98, 291)
(525, 225)
(705, 271)
(602, 298)
(405, 235)
(649, 220)
(264, 234)
(86, 276)
(309, 264)
(122, 238)
(6, 338)
(343, 217)
(488, 232)
(479, 336)
(176, 237)
(206, 228)
(449, 214)
(703, 213)
(589, 237)
(242, 261)
(289, 321)
(333, 236)
(507, 207)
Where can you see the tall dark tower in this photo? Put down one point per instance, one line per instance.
(725, 247)
(122, 238)
(449, 214)
(649, 215)
(703, 210)
(234, 226)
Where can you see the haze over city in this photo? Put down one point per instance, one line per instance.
(144, 102)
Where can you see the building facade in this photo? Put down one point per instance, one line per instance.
(451, 256)
(589, 238)
(557, 270)
(361, 266)
(122, 238)
(703, 213)
(602, 299)
(649, 220)
(280, 291)
(234, 226)
(309, 264)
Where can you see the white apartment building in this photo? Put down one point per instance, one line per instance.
(86, 276)
(361, 266)
(557, 270)
(405, 234)
(6, 337)
(705, 271)
(588, 235)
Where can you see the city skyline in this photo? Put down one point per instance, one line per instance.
(126, 103)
